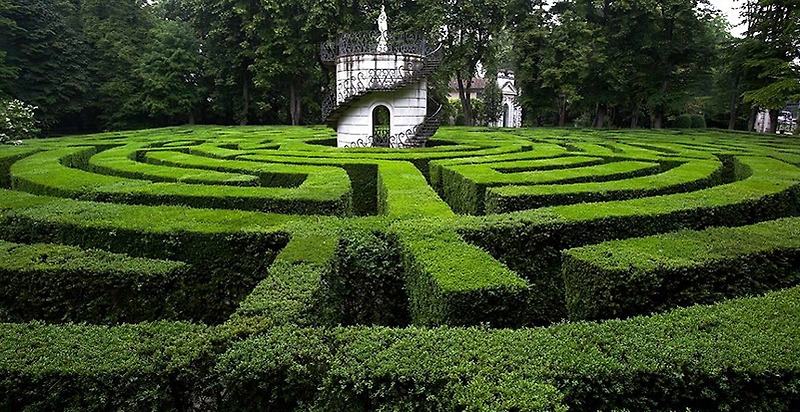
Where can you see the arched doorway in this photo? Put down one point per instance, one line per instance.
(506, 115)
(381, 125)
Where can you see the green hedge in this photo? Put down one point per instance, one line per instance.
(121, 161)
(64, 283)
(464, 186)
(363, 177)
(698, 121)
(664, 362)
(683, 121)
(229, 251)
(270, 175)
(450, 282)
(363, 283)
(403, 192)
(290, 294)
(642, 275)
(56, 173)
(737, 355)
(530, 242)
(7, 158)
(690, 176)
(436, 166)
(149, 366)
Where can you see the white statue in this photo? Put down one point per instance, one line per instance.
(383, 29)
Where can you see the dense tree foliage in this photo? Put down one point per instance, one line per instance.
(772, 54)
(94, 65)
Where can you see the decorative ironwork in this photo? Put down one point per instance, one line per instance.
(378, 80)
(369, 42)
(328, 51)
(413, 137)
(375, 80)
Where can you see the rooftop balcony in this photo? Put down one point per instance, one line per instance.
(370, 42)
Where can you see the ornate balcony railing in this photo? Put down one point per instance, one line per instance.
(413, 137)
(367, 81)
(367, 42)
(379, 80)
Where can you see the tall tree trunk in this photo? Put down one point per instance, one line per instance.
(751, 119)
(657, 120)
(734, 104)
(601, 115)
(463, 94)
(294, 104)
(245, 97)
(658, 112)
(635, 115)
(562, 110)
(191, 117)
(773, 120)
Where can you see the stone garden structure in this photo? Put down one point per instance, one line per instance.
(381, 96)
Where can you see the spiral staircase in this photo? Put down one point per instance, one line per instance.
(350, 92)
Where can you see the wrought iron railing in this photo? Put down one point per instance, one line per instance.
(367, 81)
(379, 80)
(375, 80)
(368, 42)
(413, 137)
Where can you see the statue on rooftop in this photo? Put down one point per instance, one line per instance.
(383, 29)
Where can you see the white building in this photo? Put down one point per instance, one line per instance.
(512, 111)
(787, 123)
(381, 96)
(763, 122)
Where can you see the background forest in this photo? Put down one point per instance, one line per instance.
(91, 65)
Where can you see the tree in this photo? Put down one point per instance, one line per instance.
(7, 73)
(679, 48)
(722, 94)
(773, 44)
(169, 71)
(564, 59)
(46, 57)
(492, 97)
(118, 33)
(229, 51)
(287, 56)
(468, 30)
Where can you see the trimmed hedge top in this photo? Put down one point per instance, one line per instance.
(271, 236)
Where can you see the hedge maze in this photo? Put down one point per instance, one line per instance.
(261, 268)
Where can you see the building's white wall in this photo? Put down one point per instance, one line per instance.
(514, 112)
(763, 122)
(407, 106)
(350, 70)
(506, 83)
(407, 109)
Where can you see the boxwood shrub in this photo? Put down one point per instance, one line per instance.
(64, 283)
(740, 354)
(651, 274)
(289, 295)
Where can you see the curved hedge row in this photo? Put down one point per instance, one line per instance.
(57, 173)
(273, 271)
